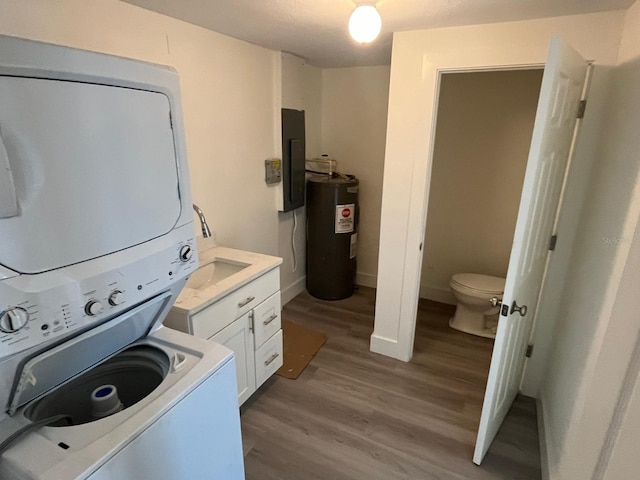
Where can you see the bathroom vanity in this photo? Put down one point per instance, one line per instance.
(234, 299)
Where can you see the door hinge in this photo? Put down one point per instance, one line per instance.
(170, 121)
(582, 106)
(529, 351)
(251, 323)
(552, 242)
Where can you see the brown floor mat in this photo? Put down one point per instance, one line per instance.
(300, 346)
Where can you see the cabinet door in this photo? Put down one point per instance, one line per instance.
(238, 337)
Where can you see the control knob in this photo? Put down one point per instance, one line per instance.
(93, 307)
(116, 298)
(13, 319)
(186, 253)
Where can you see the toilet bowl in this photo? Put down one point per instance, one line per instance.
(474, 313)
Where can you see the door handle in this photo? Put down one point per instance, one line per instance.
(8, 197)
(522, 310)
(495, 302)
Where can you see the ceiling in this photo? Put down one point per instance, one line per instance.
(316, 30)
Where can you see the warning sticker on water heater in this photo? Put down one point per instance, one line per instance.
(345, 215)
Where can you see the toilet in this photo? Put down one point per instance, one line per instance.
(474, 313)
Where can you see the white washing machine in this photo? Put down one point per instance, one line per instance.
(96, 242)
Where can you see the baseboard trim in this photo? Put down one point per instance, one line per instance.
(387, 347)
(437, 294)
(366, 280)
(542, 439)
(290, 292)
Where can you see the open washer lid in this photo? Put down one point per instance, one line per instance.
(46, 371)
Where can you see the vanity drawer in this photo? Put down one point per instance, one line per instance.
(266, 319)
(268, 358)
(214, 318)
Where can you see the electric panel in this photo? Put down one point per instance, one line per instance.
(293, 158)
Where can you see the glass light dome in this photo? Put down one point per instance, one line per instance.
(365, 24)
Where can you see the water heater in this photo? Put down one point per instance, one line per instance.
(332, 236)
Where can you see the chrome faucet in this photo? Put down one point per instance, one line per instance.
(206, 233)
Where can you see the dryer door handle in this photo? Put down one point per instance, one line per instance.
(8, 197)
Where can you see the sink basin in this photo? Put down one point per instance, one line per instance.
(211, 273)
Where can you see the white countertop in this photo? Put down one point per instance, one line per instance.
(191, 300)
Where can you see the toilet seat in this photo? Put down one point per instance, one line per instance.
(477, 283)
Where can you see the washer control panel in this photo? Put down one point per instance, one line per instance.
(37, 308)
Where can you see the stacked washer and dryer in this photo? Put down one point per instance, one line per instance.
(96, 242)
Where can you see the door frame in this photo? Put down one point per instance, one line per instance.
(417, 56)
(400, 299)
(440, 74)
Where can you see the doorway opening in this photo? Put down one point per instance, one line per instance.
(483, 133)
(562, 92)
(484, 126)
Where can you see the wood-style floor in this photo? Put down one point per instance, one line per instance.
(356, 415)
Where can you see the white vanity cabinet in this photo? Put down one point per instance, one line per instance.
(255, 336)
(245, 317)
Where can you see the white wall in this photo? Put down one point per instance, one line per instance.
(232, 93)
(594, 364)
(416, 59)
(624, 461)
(484, 126)
(301, 89)
(354, 122)
(345, 115)
(227, 95)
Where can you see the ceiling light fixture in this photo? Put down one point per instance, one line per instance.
(365, 23)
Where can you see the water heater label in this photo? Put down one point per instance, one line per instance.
(345, 215)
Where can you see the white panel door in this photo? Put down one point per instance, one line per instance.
(553, 134)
